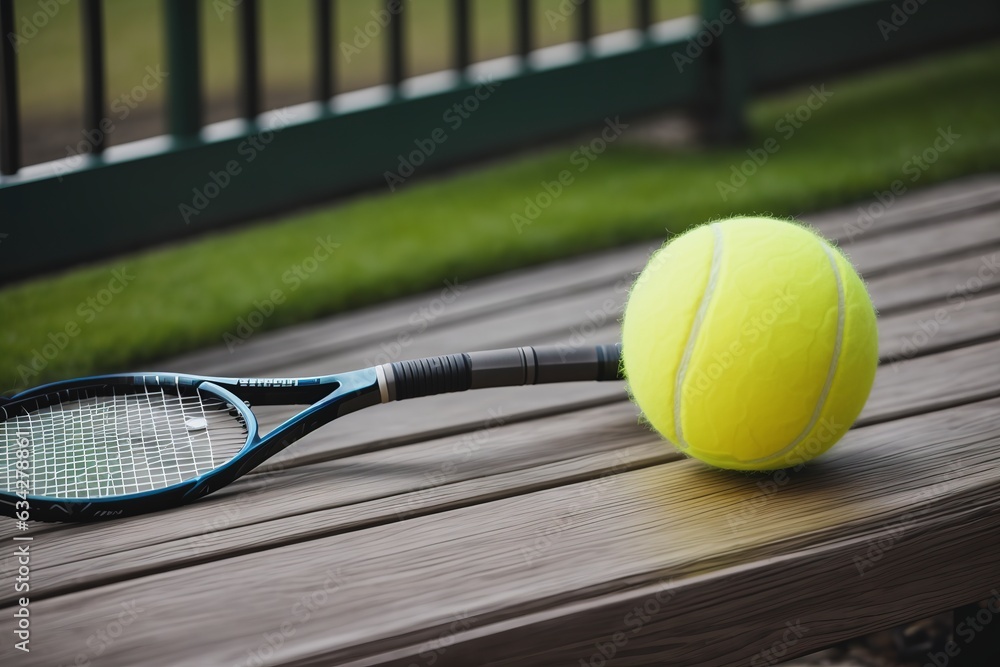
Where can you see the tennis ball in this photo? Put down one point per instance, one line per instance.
(750, 343)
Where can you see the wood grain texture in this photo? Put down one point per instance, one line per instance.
(935, 281)
(943, 326)
(931, 205)
(501, 564)
(298, 504)
(358, 335)
(880, 255)
(574, 321)
(523, 526)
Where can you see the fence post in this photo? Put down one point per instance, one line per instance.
(93, 74)
(10, 125)
(248, 58)
(323, 16)
(183, 63)
(727, 53)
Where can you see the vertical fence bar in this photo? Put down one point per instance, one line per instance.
(10, 121)
(463, 26)
(522, 15)
(585, 20)
(249, 59)
(397, 70)
(93, 74)
(184, 65)
(644, 14)
(729, 78)
(323, 14)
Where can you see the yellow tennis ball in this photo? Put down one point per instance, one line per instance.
(750, 343)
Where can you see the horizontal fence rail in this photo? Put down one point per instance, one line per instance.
(195, 178)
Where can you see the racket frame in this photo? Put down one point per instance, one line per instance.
(331, 396)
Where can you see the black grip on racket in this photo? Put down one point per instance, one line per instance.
(433, 375)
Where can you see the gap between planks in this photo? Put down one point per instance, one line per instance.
(267, 518)
(678, 522)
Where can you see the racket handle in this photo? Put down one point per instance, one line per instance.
(499, 368)
(428, 376)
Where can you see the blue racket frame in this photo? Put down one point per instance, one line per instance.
(331, 397)
(328, 397)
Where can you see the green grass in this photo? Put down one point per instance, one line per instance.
(189, 295)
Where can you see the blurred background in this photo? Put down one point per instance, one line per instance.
(182, 175)
(134, 37)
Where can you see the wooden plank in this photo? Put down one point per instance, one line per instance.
(934, 382)
(931, 205)
(967, 322)
(511, 565)
(466, 415)
(565, 322)
(327, 498)
(454, 302)
(268, 353)
(527, 456)
(880, 255)
(935, 281)
(942, 326)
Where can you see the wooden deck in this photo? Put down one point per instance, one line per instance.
(544, 526)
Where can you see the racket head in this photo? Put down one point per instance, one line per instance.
(117, 445)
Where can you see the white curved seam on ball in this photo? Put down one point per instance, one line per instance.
(706, 297)
(834, 361)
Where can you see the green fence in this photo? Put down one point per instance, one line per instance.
(195, 178)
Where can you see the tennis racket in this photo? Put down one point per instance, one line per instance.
(117, 445)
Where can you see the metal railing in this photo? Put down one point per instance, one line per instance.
(336, 148)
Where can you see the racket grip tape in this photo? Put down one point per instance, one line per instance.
(498, 368)
(431, 376)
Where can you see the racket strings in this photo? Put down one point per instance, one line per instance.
(99, 446)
